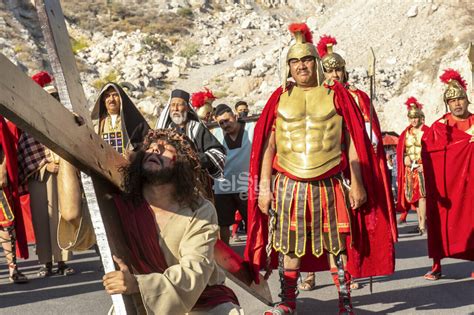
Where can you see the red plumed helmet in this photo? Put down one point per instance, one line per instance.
(451, 74)
(323, 45)
(304, 29)
(42, 78)
(412, 101)
(198, 99)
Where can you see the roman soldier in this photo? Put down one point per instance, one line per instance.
(312, 137)
(410, 177)
(449, 164)
(334, 67)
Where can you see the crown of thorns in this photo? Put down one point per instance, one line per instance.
(179, 141)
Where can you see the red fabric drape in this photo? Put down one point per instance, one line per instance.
(373, 230)
(448, 161)
(9, 142)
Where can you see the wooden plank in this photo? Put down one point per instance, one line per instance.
(61, 58)
(35, 111)
(108, 232)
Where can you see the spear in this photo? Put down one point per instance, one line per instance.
(371, 73)
(470, 55)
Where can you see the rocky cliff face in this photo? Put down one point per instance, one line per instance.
(235, 47)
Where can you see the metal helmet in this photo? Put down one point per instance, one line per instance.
(302, 47)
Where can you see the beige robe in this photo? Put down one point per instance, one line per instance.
(45, 213)
(187, 242)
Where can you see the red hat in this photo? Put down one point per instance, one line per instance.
(198, 99)
(42, 78)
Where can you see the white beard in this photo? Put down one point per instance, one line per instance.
(178, 118)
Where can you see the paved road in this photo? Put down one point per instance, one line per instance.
(403, 292)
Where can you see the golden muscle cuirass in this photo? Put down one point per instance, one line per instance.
(308, 132)
(413, 144)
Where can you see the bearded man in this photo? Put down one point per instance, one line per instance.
(170, 231)
(448, 160)
(180, 116)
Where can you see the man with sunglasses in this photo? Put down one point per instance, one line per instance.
(231, 191)
(309, 134)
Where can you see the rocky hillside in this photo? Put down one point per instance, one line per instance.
(235, 49)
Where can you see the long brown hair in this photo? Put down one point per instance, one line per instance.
(186, 169)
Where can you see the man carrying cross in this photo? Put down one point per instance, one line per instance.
(170, 230)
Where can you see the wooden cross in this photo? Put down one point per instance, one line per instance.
(33, 110)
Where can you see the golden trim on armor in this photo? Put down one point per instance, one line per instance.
(292, 196)
(276, 190)
(317, 239)
(308, 132)
(297, 221)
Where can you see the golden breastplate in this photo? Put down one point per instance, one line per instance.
(413, 144)
(308, 132)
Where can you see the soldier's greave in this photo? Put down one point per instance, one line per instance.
(342, 280)
(10, 254)
(288, 284)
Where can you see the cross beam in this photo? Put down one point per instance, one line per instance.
(48, 121)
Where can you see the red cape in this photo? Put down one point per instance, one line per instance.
(373, 229)
(364, 103)
(402, 203)
(448, 161)
(9, 141)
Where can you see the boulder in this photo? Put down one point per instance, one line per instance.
(412, 12)
(174, 72)
(243, 64)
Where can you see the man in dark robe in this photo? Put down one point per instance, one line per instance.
(180, 116)
(118, 120)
